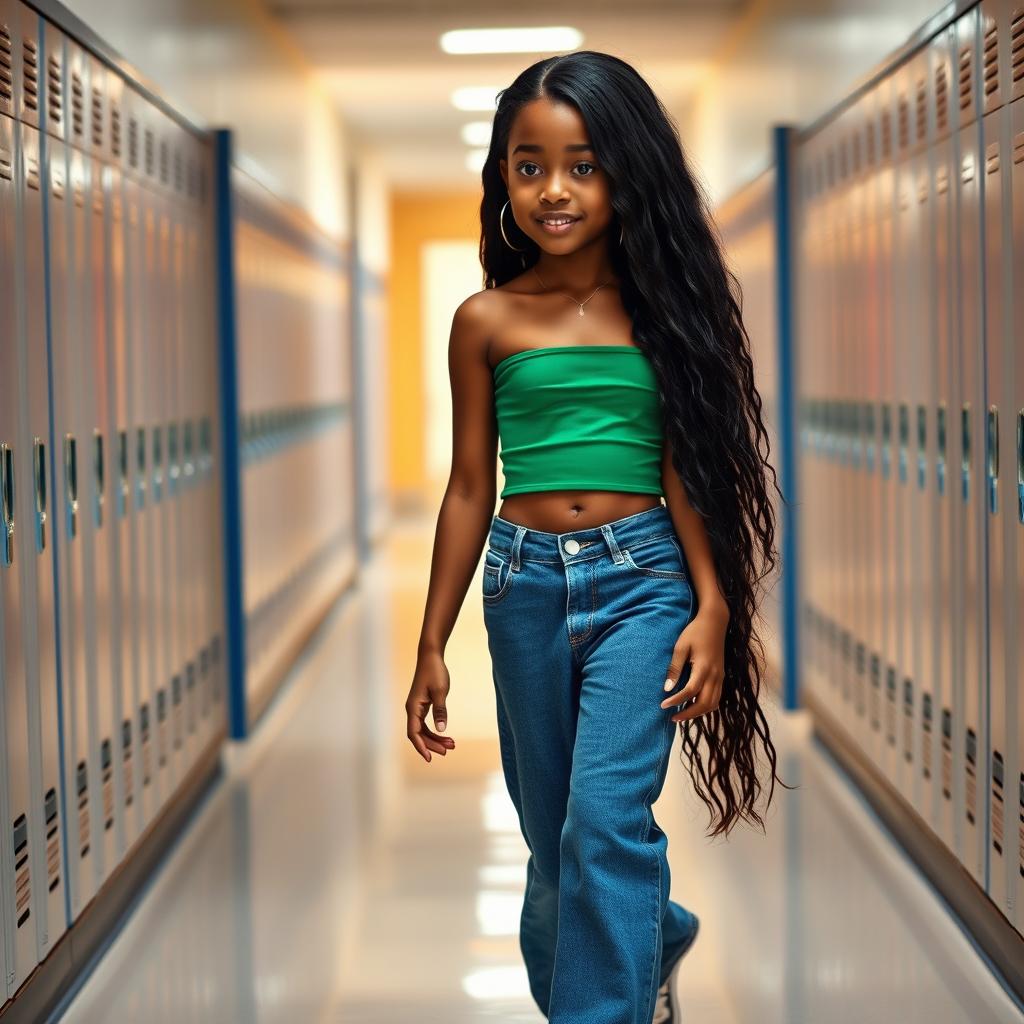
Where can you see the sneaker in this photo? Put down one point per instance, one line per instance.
(666, 1006)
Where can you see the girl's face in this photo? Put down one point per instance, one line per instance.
(550, 168)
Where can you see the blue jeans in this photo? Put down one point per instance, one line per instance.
(580, 628)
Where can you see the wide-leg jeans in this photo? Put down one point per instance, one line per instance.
(580, 628)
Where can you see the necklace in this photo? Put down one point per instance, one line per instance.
(578, 303)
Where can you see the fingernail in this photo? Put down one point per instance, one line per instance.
(668, 684)
(440, 726)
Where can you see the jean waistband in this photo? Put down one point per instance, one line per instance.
(525, 545)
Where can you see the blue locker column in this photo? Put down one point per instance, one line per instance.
(1001, 441)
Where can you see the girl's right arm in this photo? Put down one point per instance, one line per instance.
(464, 520)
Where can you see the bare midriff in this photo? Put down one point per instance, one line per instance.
(562, 511)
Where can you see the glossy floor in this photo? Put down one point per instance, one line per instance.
(332, 875)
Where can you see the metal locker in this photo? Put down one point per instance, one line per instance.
(1014, 777)
(68, 220)
(1000, 516)
(96, 463)
(870, 397)
(16, 870)
(144, 642)
(919, 675)
(890, 295)
(937, 754)
(25, 464)
(118, 492)
(970, 550)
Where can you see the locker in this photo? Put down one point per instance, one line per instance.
(1014, 776)
(970, 730)
(96, 431)
(69, 200)
(999, 466)
(15, 797)
(937, 752)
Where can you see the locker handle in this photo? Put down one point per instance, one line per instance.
(7, 501)
(71, 483)
(140, 465)
(39, 460)
(965, 451)
(122, 465)
(97, 451)
(158, 458)
(940, 462)
(992, 459)
(1020, 465)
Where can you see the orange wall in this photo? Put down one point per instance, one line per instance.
(416, 219)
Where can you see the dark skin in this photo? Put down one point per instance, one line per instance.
(549, 168)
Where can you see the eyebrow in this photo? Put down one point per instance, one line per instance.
(532, 147)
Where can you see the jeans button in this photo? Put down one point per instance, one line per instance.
(572, 546)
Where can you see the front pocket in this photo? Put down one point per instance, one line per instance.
(497, 576)
(662, 557)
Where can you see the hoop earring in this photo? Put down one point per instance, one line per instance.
(501, 224)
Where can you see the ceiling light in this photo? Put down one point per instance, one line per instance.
(477, 133)
(476, 97)
(511, 40)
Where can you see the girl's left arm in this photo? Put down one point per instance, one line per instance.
(702, 642)
(694, 537)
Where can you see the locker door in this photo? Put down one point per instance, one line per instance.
(19, 922)
(1000, 501)
(943, 269)
(98, 592)
(68, 318)
(970, 551)
(1014, 779)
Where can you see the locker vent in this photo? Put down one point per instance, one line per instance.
(903, 121)
(992, 158)
(31, 74)
(965, 77)
(921, 108)
(179, 172)
(150, 151)
(6, 165)
(77, 104)
(115, 130)
(1016, 45)
(191, 179)
(844, 166)
(856, 152)
(97, 118)
(164, 161)
(990, 59)
(1018, 148)
(941, 98)
(886, 134)
(870, 139)
(830, 167)
(6, 66)
(133, 142)
(54, 94)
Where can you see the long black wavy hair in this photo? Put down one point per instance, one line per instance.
(685, 306)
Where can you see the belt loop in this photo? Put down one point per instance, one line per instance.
(517, 543)
(609, 537)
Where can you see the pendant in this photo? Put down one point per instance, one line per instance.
(581, 311)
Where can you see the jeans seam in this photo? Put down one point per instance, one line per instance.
(644, 833)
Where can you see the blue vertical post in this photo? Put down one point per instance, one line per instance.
(234, 610)
(782, 144)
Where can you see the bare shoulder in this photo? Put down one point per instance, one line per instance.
(475, 321)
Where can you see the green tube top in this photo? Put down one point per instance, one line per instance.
(579, 417)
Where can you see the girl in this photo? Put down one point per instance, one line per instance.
(608, 353)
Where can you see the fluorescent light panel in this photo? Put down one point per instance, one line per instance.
(541, 39)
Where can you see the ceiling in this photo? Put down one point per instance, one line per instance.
(382, 63)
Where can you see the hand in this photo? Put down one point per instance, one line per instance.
(703, 644)
(430, 686)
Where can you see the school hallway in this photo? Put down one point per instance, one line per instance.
(332, 875)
